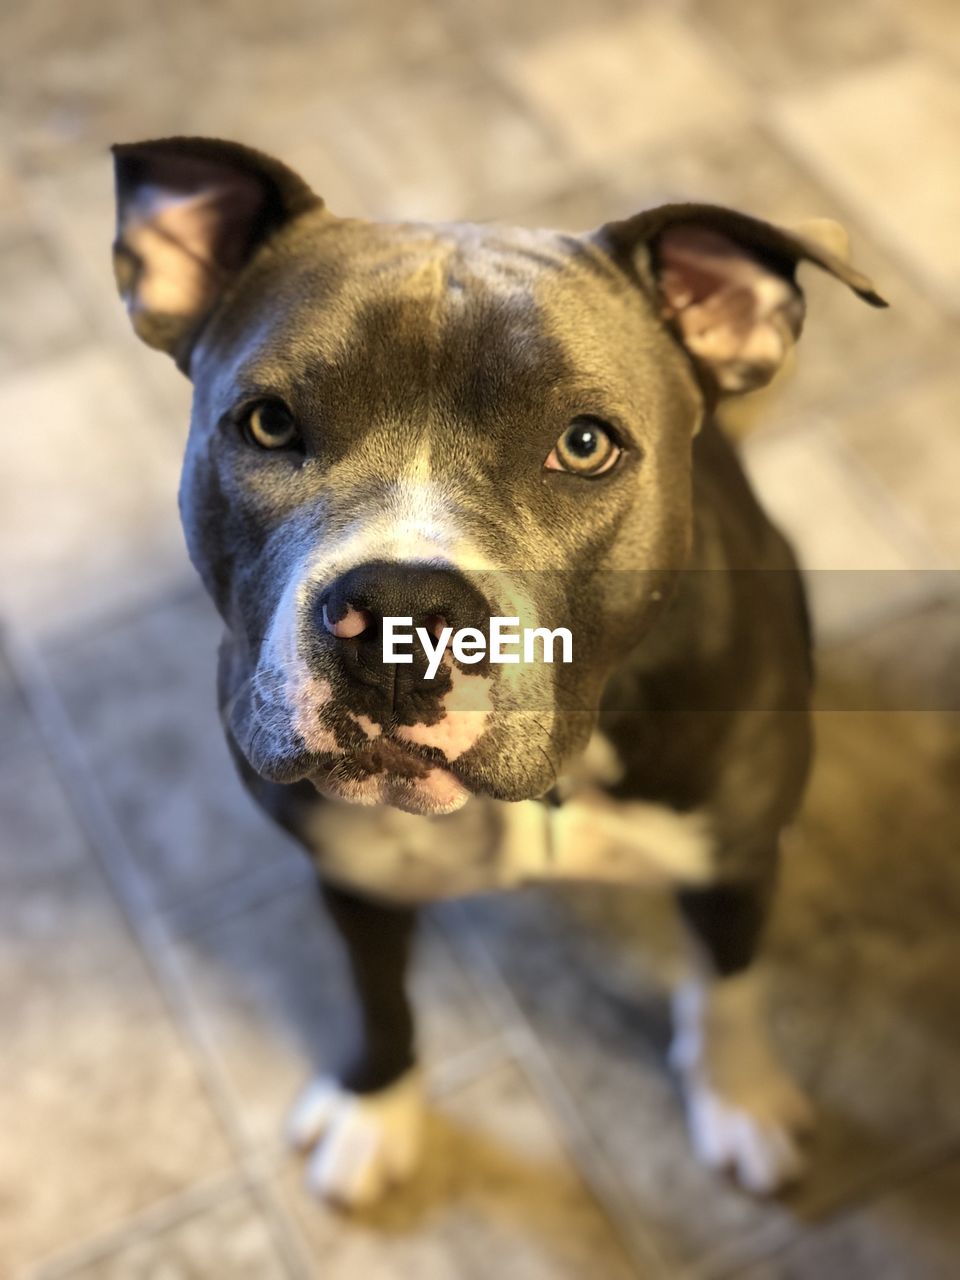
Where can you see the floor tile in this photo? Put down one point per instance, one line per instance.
(74, 204)
(503, 24)
(596, 995)
(913, 1232)
(779, 43)
(496, 1196)
(101, 1110)
(615, 87)
(38, 315)
(856, 132)
(580, 204)
(66, 79)
(270, 983)
(14, 216)
(336, 43)
(935, 26)
(858, 561)
(229, 1239)
(867, 672)
(142, 696)
(413, 144)
(88, 495)
(331, 33)
(912, 445)
(848, 352)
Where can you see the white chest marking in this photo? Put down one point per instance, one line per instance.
(489, 845)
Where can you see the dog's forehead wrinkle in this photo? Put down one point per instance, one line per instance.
(403, 312)
(414, 257)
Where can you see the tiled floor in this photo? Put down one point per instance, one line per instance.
(165, 973)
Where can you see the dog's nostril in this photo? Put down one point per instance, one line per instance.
(352, 608)
(353, 623)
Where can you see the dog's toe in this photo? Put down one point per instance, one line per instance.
(363, 1143)
(756, 1137)
(311, 1114)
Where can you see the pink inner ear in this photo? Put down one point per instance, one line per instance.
(734, 314)
(697, 262)
(184, 241)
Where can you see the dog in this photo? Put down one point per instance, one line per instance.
(450, 423)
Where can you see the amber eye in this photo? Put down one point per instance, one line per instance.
(271, 425)
(586, 448)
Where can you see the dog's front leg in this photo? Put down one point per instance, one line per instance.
(364, 1124)
(744, 1112)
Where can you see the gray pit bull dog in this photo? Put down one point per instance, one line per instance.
(448, 423)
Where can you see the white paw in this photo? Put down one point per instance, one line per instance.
(756, 1137)
(360, 1144)
(744, 1112)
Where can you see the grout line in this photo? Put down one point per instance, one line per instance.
(531, 1056)
(128, 889)
(458, 1071)
(162, 1215)
(291, 1244)
(241, 892)
(891, 1178)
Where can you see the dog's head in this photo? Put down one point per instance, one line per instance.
(439, 422)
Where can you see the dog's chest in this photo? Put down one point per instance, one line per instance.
(489, 845)
(405, 856)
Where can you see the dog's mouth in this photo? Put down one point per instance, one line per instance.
(386, 756)
(427, 768)
(386, 772)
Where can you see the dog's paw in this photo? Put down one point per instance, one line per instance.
(359, 1144)
(744, 1112)
(755, 1134)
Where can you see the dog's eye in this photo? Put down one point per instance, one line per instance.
(586, 448)
(271, 425)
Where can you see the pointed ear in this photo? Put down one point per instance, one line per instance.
(724, 283)
(191, 212)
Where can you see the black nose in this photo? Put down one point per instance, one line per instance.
(354, 606)
(350, 612)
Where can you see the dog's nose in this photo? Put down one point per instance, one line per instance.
(353, 607)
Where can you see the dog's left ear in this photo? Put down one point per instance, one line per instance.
(725, 284)
(191, 212)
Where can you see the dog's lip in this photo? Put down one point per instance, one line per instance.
(384, 770)
(295, 766)
(328, 767)
(386, 755)
(434, 793)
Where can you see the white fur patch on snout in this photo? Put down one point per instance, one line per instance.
(467, 708)
(360, 1144)
(416, 520)
(744, 1112)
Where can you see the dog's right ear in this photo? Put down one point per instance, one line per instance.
(191, 212)
(725, 283)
